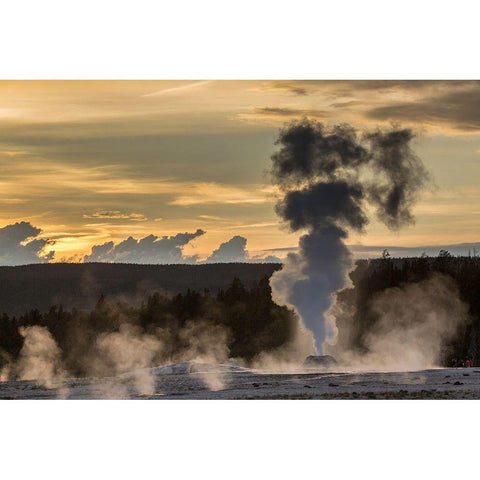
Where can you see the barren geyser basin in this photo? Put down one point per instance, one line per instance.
(239, 239)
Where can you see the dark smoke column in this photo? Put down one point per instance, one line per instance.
(320, 172)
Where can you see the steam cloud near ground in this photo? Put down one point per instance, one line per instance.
(122, 357)
(415, 323)
(40, 357)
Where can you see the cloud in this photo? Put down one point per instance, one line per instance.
(211, 217)
(266, 259)
(179, 89)
(390, 85)
(271, 259)
(452, 104)
(254, 225)
(284, 113)
(19, 245)
(295, 87)
(14, 153)
(234, 250)
(148, 250)
(169, 250)
(348, 87)
(231, 251)
(204, 193)
(459, 110)
(117, 215)
(350, 103)
(47, 179)
(290, 112)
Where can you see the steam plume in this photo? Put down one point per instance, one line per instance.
(415, 323)
(128, 350)
(401, 175)
(122, 362)
(40, 357)
(327, 174)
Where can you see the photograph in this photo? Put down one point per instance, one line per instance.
(212, 239)
(239, 240)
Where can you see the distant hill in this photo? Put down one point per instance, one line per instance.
(80, 285)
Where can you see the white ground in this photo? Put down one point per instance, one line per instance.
(200, 381)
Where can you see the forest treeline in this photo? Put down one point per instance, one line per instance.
(79, 285)
(245, 319)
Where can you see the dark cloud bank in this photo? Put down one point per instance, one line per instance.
(459, 110)
(232, 251)
(20, 245)
(169, 250)
(349, 87)
(150, 249)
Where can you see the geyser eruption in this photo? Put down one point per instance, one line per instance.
(327, 175)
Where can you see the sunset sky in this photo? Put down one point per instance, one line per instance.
(89, 162)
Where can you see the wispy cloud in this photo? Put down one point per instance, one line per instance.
(211, 217)
(47, 178)
(283, 113)
(117, 215)
(14, 153)
(255, 225)
(180, 89)
(204, 193)
(458, 110)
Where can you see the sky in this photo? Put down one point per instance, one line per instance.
(182, 166)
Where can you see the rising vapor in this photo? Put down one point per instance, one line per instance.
(327, 175)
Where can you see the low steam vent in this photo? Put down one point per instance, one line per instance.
(320, 361)
(326, 176)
